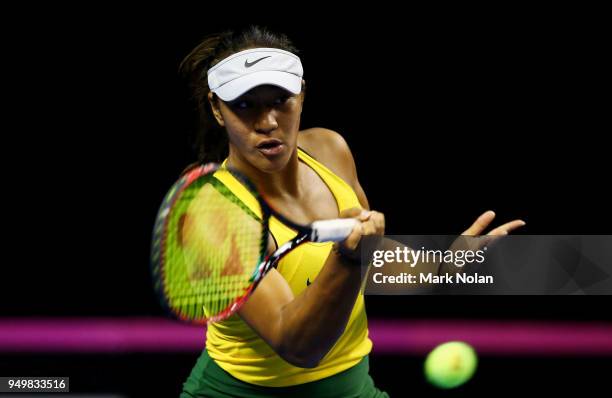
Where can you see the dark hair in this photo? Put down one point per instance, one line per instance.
(211, 139)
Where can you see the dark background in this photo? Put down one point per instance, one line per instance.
(448, 114)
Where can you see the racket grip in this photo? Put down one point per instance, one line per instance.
(332, 230)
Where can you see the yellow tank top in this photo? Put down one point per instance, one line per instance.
(236, 348)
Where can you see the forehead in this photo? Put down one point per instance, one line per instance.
(263, 91)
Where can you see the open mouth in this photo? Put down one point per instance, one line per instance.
(270, 147)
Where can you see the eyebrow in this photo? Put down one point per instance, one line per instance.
(250, 97)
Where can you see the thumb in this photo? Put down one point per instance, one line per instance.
(355, 212)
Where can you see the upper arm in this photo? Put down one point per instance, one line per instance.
(331, 149)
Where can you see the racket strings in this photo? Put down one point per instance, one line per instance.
(214, 245)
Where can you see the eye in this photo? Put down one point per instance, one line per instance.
(281, 100)
(240, 104)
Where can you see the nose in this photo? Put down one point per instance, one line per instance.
(266, 122)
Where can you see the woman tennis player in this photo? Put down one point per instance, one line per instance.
(303, 332)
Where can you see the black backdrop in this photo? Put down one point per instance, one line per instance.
(447, 116)
(449, 112)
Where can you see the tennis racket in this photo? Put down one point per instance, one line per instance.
(209, 248)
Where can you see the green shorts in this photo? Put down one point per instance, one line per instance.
(207, 379)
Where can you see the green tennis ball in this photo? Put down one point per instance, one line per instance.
(450, 364)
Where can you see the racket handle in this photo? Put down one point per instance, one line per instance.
(332, 230)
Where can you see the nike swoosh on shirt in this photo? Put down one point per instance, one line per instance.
(308, 282)
(248, 64)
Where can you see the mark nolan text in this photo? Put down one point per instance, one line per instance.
(432, 278)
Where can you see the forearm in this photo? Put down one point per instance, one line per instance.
(311, 324)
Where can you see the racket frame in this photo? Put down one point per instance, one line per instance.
(266, 263)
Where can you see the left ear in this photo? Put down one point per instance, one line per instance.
(303, 93)
(213, 100)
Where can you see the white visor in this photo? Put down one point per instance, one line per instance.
(240, 72)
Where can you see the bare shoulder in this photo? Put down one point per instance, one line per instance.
(331, 149)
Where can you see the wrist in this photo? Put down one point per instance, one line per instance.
(349, 256)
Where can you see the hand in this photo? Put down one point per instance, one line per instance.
(485, 219)
(477, 228)
(483, 222)
(371, 223)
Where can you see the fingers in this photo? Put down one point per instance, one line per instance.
(480, 224)
(378, 221)
(485, 219)
(352, 241)
(369, 227)
(507, 227)
(372, 223)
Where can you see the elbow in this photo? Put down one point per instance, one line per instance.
(308, 360)
(306, 363)
(305, 353)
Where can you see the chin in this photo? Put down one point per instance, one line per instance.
(272, 165)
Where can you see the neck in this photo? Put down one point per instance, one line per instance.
(271, 184)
